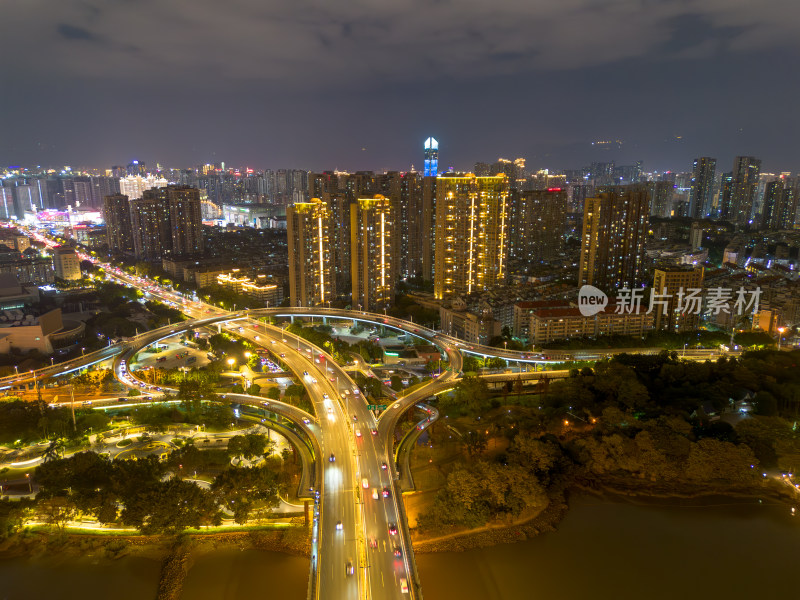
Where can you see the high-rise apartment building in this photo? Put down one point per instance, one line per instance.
(136, 168)
(538, 224)
(743, 188)
(66, 264)
(780, 205)
(373, 250)
(414, 228)
(472, 232)
(24, 200)
(431, 168)
(150, 227)
(311, 270)
(117, 214)
(134, 186)
(679, 292)
(702, 186)
(724, 201)
(186, 221)
(166, 222)
(660, 195)
(102, 187)
(428, 227)
(614, 232)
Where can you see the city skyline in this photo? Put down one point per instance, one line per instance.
(670, 82)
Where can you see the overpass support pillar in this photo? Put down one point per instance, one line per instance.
(291, 318)
(324, 320)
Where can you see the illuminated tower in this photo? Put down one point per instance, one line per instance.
(431, 157)
(472, 233)
(311, 271)
(372, 250)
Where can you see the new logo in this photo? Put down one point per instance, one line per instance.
(591, 300)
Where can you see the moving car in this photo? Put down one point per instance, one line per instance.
(397, 552)
(385, 492)
(348, 568)
(365, 483)
(374, 493)
(339, 526)
(332, 458)
(384, 466)
(403, 586)
(392, 529)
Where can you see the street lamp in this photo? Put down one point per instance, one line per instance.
(231, 362)
(780, 335)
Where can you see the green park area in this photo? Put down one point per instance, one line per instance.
(189, 488)
(642, 424)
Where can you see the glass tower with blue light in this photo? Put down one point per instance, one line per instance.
(431, 157)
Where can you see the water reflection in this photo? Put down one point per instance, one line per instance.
(617, 550)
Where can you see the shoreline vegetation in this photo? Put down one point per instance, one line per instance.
(176, 555)
(548, 518)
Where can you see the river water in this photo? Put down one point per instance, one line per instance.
(717, 548)
(604, 549)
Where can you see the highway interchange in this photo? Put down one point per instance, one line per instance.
(360, 546)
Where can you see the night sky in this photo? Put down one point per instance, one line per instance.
(326, 84)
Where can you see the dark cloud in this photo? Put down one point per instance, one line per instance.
(311, 83)
(71, 32)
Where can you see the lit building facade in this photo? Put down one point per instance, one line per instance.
(373, 236)
(673, 285)
(117, 215)
(613, 242)
(746, 170)
(550, 324)
(472, 232)
(150, 228)
(134, 186)
(702, 186)
(538, 224)
(66, 264)
(166, 222)
(780, 205)
(186, 220)
(269, 293)
(311, 270)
